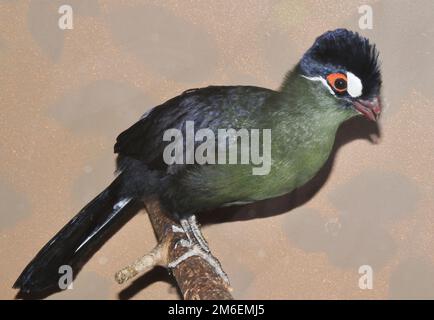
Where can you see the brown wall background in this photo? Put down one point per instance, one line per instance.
(65, 95)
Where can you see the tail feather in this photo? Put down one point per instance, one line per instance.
(74, 243)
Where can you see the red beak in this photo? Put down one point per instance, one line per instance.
(371, 109)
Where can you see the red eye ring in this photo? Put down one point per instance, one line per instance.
(338, 81)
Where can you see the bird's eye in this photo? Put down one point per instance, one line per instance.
(338, 82)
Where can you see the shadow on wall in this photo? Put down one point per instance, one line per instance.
(102, 108)
(158, 274)
(170, 45)
(367, 204)
(43, 15)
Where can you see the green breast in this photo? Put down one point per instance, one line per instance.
(294, 163)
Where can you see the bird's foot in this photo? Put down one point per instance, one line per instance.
(192, 226)
(197, 246)
(196, 250)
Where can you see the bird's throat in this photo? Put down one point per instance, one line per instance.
(305, 120)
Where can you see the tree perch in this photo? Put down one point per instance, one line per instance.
(195, 277)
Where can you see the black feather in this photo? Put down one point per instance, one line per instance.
(74, 243)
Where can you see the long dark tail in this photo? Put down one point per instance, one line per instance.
(74, 244)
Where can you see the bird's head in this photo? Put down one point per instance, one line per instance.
(347, 66)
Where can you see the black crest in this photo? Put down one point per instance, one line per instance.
(347, 50)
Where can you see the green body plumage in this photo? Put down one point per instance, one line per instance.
(303, 118)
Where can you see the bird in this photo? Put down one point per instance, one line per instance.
(336, 79)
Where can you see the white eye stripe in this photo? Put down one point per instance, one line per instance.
(321, 79)
(354, 85)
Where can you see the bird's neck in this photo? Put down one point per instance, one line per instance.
(304, 119)
(301, 103)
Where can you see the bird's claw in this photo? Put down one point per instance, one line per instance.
(197, 246)
(197, 250)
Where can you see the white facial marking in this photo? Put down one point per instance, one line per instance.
(324, 82)
(354, 85)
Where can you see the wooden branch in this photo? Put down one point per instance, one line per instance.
(196, 278)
